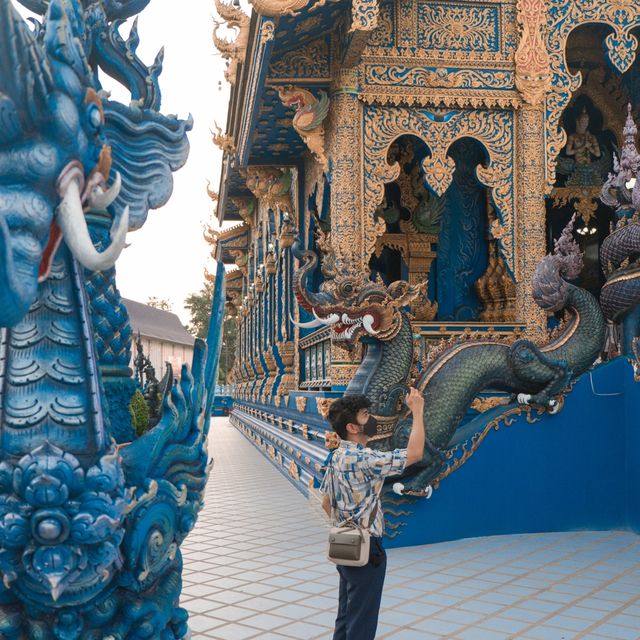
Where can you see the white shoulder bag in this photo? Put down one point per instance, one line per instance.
(349, 543)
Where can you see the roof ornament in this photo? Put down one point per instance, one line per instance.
(231, 50)
(309, 118)
(278, 8)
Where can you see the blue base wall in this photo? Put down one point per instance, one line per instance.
(579, 469)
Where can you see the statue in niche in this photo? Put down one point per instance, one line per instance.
(583, 162)
(582, 144)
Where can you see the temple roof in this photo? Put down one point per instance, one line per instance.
(233, 239)
(280, 51)
(156, 323)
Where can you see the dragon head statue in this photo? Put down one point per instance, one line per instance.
(56, 129)
(54, 157)
(349, 302)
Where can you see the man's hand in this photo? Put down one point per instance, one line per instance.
(415, 401)
(415, 446)
(326, 504)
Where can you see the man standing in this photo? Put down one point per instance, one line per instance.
(358, 476)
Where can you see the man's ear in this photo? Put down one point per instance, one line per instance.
(353, 428)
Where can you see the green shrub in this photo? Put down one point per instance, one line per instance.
(139, 413)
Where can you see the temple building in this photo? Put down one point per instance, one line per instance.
(163, 337)
(446, 146)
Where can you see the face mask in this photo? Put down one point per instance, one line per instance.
(370, 427)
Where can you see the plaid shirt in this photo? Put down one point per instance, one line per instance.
(359, 474)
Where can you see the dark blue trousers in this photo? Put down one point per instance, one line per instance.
(360, 595)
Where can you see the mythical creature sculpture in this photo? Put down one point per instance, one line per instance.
(620, 251)
(308, 120)
(356, 308)
(89, 533)
(231, 50)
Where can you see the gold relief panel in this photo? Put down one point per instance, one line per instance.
(383, 35)
(301, 403)
(493, 129)
(309, 61)
(483, 31)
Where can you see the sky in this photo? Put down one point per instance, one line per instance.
(167, 257)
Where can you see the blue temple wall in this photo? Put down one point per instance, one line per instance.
(578, 470)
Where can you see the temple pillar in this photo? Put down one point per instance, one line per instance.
(533, 82)
(348, 225)
(531, 211)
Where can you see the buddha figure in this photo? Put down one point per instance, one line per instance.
(583, 145)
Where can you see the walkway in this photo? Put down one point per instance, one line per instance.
(255, 568)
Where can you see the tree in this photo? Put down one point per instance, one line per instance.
(199, 305)
(159, 303)
(228, 352)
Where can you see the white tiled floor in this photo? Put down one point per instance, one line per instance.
(255, 568)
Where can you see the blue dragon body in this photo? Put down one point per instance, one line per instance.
(90, 532)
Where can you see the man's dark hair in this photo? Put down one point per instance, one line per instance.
(344, 411)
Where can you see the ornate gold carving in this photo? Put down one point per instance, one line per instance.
(403, 76)
(242, 262)
(586, 200)
(494, 129)
(309, 61)
(382, 35)
(349, 230)
(309, 117)
(293, 470)
(305, 432)
(246, 208)
(496, 289)
(448, 27)
(484, 404)
(532, 58)
(323, 405)
(286, 351)
(222, 141)
(287, 232)
(277, 8)
(214, 195)
(270, 361)
(270, 185)
(531, 240)
(267, 31)
(270, 264)
(301, 403)
(232, 50)
(331, 440)
(364, 15)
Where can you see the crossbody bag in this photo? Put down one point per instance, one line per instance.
(349, 543)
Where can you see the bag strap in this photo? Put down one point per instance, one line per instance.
(372, 518)
(332, 496)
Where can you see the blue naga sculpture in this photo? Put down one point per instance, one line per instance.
(358, 309)
(91, 522)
